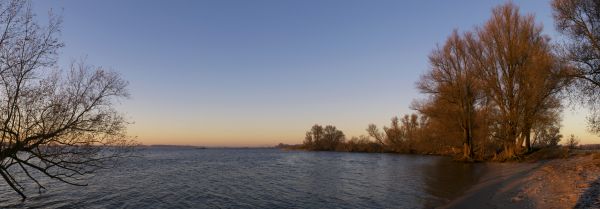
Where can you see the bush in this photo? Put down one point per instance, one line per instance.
(572, 142)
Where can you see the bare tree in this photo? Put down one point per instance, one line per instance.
(362, 144)
(394, 135)
(319, 138)
(374, 132)
(441, 130)
(505, 71)
(452, 79)
(579, 21)
(391, 137)
(541, 87)
(572, 142)
(53, 124)
(313, 136)
(332, 137)
(547, 134)
(517, 70)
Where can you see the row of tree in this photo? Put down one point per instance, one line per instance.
(496, 91)
(504, 74)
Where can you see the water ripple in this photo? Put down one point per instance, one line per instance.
(260, 178)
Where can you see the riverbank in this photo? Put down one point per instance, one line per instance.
(572, 182)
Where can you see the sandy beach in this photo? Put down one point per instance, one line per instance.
(573, 182)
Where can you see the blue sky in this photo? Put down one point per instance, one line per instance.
(254, 73)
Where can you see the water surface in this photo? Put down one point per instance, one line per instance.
(261, 178)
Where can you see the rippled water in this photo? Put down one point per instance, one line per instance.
(261, 178)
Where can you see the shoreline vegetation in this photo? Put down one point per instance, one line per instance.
(331, 139)
(549, 177)
(495, 93)
(492, 93)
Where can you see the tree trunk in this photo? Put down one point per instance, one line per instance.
(528, 140)
(466, 151)
(519, 143)
(513, 142)
(468, 145)
(516, 138)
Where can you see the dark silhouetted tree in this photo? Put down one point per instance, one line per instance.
(325, 139)
(572, 142)
(546, 135)
(579, 21)
(313, 136)
(59, 125)
(374, 132)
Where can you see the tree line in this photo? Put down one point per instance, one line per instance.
(495, 91)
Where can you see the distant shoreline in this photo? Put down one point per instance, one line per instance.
(201, 147)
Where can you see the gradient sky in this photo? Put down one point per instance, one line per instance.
(256, 73)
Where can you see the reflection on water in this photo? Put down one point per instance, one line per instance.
(263, 178)
(447, 180)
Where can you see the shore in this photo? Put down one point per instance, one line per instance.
(572, 182)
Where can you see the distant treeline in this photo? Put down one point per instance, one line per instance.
(494, 92)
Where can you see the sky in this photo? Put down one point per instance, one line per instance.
(261, 72)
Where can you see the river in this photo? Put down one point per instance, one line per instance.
(261, 178)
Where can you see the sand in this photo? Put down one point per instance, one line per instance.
(559, 183)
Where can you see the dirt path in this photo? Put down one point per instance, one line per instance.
(560, 183)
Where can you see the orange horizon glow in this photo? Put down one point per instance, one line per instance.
(266, 134)
(213, 73)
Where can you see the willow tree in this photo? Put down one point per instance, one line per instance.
(518, 71)
(54, 124)
(452, 80)
(579, 21)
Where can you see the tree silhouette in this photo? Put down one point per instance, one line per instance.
(60, 125)
(579, 21)
(325, 139)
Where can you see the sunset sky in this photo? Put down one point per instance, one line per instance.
(256, 73)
